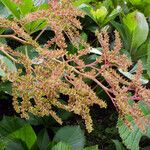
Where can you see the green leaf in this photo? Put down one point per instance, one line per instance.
(118, 145)
(145, 109)
(112, 15)
(91, 148)
(6, 87)
(79, 2)
(3, 11)
(61, 146)
(121, 29)
(28, 50)
(99, 14)
(35, 26)
(12, 7)
(43, 139)
(135, 2)
(9, 64)
(26, 7)
(71, 135)
(138, 29)
(148, 59)
(25, 134)
(87, 9)
(131, 137)
(16, 145)
(10, 124)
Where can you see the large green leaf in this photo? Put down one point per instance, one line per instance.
(12, 7)
(71, 135)
(43, 139)
(25, 134)
(137, 28)
(26, 7)
(118, 145)
(13, 130)
(131, 137)
(62, 146)
(3, 11)
(16, 145)
(10, 124)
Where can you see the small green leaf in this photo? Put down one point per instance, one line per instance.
(71, 135)
(99, 14)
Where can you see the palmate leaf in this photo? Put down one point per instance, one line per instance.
(131, 137)
(71, 135)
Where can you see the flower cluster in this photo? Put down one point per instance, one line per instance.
(37, 87)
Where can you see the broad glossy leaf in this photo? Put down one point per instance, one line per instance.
(12, 7)
(71, 135)
(138, 29)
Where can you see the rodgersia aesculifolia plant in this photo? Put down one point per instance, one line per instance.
(36, 87)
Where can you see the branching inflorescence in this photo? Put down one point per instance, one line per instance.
(58, 72)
